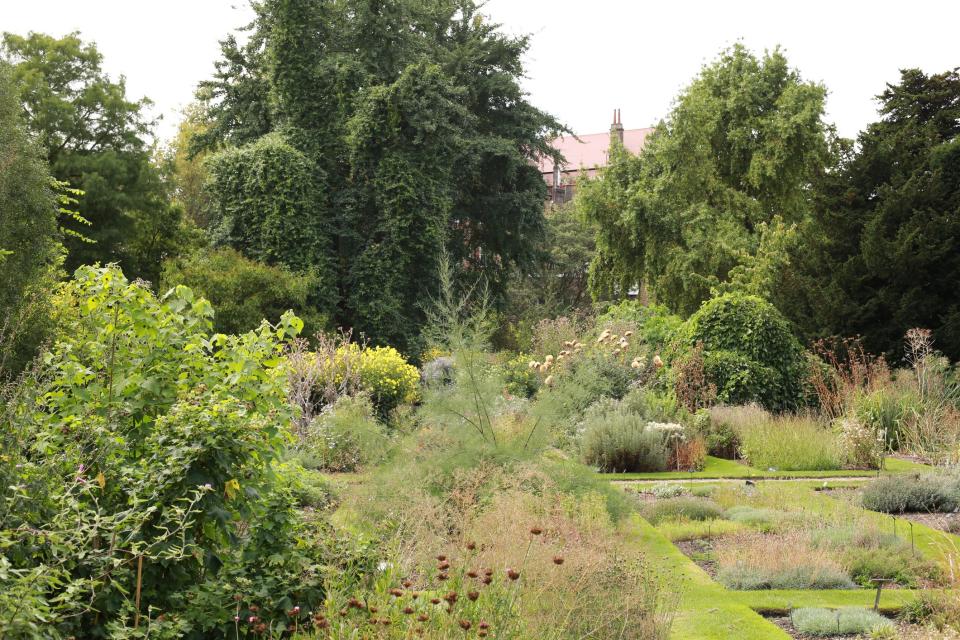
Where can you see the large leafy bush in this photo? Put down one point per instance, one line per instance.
(246, 292)
(749, 351)
(138, 469)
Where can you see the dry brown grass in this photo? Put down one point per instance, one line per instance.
(578, 579)
(783, 561)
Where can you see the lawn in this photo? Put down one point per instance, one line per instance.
(719, 468)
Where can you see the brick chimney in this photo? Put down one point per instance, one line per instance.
(616, 129)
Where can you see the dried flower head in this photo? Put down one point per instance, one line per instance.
(473, 595)
(465, 625)
(558, 560)
(513, 574)
(536, 530)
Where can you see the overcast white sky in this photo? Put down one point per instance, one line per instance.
(587, 56)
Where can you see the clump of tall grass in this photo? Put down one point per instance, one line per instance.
(787, 442)
(696, 509)
(816, 621)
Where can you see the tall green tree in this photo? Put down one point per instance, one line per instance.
(409, 120)
(30, 249)
(96, 139)
(882, 252)
(718, 187)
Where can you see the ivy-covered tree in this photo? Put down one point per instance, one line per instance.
(882, 252)
(717, 188)
(30, 249)
(411, 136)
(96, 139)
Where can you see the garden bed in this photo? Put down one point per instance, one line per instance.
(901, 630)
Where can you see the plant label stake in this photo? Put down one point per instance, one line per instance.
(879, 581)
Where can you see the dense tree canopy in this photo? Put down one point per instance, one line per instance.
(29, 238)
(403, 131)
(717, 187)
(95, 139)
(882, 253)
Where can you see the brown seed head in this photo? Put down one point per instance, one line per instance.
(472, 573)
(441, 558)
(465, 625)
(536, 530)
(443, 566)
(484, 624)
(408, 610)
(513, 574)
(471, 545)
(435, 600)
(451, 597)
(473, 595)
(557, 559)
(442, 576)
(396, 593)
(423, 617)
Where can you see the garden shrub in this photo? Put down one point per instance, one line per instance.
(245, 292)
(895, 562)
(913, 493)
(750, 354)
(521, 379)
(682, 508)
(653, 405)
(862, 445)
(344, 437)
(668, 490)
(143, 441)
(388, 378)
(719, 437)
(816, 621)
(655, 324)
(615, 439)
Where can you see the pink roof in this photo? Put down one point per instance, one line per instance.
(591, 150)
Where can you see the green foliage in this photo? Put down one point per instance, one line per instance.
(745, 577)
(593, 376)
(96, 139)
(245, 292)
(884, 410)
(749, 351)
(520, 377)
(30, 250)
(760, 518)
(697, 509)
(656, 326)
(557, 283)
(617, 439)
(917, 493)
(406, 132)
(389, 379)
(720, 437)
(880, 255)
(716, 191)
(142, 444)
(345, 437)
(833, 622)
(790, 443)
